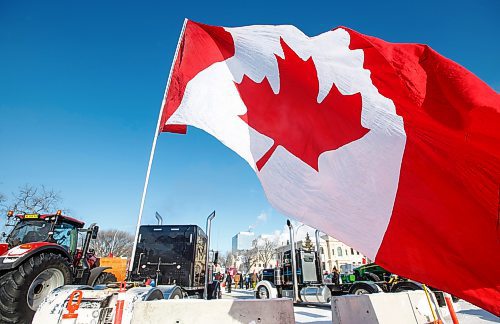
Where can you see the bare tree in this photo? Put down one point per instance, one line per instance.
(113, 242)
(229, 260)
(32, 199)
(221, 260)
(266, 250)
(249, 259)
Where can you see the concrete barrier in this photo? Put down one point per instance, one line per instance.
(394, 308)
(188, 311)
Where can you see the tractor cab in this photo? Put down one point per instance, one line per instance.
(49, 242)
(51, 228)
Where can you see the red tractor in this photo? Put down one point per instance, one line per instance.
(40, 254)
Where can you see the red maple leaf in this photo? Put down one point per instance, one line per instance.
(293, 118)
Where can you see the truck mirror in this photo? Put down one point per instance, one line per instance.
(95, 230)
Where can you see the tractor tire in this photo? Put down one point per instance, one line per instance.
(372, 277)
(105, 278)
(24, 288)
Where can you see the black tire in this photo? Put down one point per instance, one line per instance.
(176, 294)
(154, 295)
(262, 292)
(406, 286)
(372, 277)
(362, 288)
(15, 307)
(105, 278)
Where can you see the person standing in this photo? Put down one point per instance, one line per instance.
(335, 276)
(253, 279)
(247, 281)
(236, 279)
(229, 282)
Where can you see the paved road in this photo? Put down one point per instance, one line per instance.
(466, 313)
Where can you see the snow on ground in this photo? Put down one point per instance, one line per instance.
(467, 313)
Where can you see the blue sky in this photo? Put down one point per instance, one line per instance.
(81, 85)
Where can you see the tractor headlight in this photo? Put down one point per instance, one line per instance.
(9, 260)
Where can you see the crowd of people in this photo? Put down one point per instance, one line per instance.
(249, 280)
(238, 280)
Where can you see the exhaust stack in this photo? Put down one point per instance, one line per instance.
(207, 257)
(294, 263)
(159, 218)
(318, 261)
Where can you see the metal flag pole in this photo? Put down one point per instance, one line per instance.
(153, 148)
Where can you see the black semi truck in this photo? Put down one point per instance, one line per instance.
(299, 278)
(309, 286)
(171, 255)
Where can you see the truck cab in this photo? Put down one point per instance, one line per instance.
(171, 254)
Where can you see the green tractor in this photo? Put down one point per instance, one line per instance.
(390, 282)
(387, 281)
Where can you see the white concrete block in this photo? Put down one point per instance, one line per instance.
(189, 311)
(392, 308)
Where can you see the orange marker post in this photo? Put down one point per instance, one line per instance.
(120, 303)
(450, 308)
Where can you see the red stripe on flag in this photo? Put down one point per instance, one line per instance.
(444, 229)
(201, 46)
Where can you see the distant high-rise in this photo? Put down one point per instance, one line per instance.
(242, 241)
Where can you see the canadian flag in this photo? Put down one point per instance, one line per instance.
(390, 148)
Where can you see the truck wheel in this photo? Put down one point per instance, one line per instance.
(405, 286)
(177, 294)
(105, 278)
(24, 288)
(262, 293)
(362, 288)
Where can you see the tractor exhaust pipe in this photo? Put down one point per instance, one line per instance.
(294, 263)
(207, 257)
(318, 261)
(159, 218)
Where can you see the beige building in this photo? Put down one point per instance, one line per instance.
(333, 253)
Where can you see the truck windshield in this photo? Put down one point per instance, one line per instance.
(29, 231)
